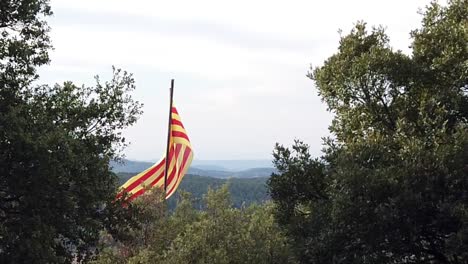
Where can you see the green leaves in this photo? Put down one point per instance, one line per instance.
(363, 83)
(440, 45)
(221, 234)
(55, 146)
(24, 42)
(55, 151)
(391, 186)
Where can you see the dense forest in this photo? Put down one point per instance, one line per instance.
(390, 187)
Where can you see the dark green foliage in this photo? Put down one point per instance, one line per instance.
(55, 147)
(392, 186)
(243, 192)
(54, 155)
(24, 45)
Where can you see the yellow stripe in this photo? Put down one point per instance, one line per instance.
(178, 160)
(173, 167)
(180, 179)
(136, 177)
(178, 128)
(180, 157)
(175, 164)
(176, 117)
(147, 182)
(176, 180)
(182, 141)
(146, 185)
(182, 174)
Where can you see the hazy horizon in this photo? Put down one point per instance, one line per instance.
(223, 165)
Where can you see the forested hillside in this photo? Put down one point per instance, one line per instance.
(243, 191)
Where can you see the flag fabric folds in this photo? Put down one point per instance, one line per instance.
(180, 158)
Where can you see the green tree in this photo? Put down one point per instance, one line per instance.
(219, 234)
(56, 142)
(131, 242)
(223, 234)
(24, 45)
(392, 184)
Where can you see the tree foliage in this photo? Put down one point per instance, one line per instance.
(392, 184)
(219, 234)
(55, 146)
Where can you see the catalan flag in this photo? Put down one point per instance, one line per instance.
(179, 159)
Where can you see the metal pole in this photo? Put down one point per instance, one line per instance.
(168, 136)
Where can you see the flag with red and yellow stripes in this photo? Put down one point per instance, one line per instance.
(180, 158)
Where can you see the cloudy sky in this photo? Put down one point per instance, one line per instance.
(239, 66)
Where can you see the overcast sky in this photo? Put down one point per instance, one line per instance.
(239, 66)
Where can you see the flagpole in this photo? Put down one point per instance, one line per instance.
(168, 136)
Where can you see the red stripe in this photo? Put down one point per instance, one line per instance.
(173, 186)
(135, 195)
(119, 195)
(173, 173)
(174, 110)
(148, 174)
(177, 150)
(184, 162)
(145, 176)
(177, 122)
(171, 176)
(157, 179)
(174, 170)
(172, 189)
(140, 192)
(171, 157)
(178, 147)
(180, 134)
(171, 152)
(186, 156)
(143, 190)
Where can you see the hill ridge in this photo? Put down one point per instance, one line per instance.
(130, 166)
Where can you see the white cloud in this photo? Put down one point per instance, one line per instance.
(239, 65)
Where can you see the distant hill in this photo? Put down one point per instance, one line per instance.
(255, 172)
(231, 165)
(210, 173)
(209, 167)
(130, 166)
(244, 191)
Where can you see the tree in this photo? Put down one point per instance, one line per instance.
(24, 45)
(56, 187)
(219, 234)
(223, 234)
(131, 242)
(391, 186)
